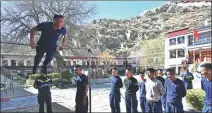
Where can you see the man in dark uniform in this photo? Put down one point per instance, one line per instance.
(50, 33)
(82, 90)
(187, 79)
(142, 93)
(115, 95)
(175, 91)
(206, 83)
(43, 84)
(131, 85)
(163, 98)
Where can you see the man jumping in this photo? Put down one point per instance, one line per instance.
(50, 33)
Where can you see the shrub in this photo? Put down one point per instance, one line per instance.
(195, 98)
(67, 75)
(54, 81)
(33, 76)
(55, 75)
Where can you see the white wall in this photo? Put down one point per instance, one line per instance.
(175, 61)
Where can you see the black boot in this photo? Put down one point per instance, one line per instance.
(34, 70)
(44, 70)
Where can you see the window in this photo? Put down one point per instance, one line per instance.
(190, 40)
(4, 62)
(74, 63)
(180, 40)
(21, 63)
(92, 63)
(13, 62)
(173, 54)
(83, 63)
(88, 63)
(172, 41)
(180, 53)
(29, 63)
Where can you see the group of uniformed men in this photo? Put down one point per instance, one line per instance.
(156, 93)
(160, 92)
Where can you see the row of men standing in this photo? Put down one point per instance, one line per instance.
(156, 93)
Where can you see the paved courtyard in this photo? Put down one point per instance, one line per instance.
(100, 97)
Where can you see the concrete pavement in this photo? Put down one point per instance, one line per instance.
(65, 98)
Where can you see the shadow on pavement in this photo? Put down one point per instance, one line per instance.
(55, 108)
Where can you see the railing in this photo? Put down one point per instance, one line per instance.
(10, 80)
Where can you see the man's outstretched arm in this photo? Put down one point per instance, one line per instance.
(64, 41)
(32, 37)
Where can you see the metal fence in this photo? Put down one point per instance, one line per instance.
(10, 80)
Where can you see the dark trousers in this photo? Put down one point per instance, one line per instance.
(80, 108)
(174, 107)
(143, 103)
(163, 101)
(39, 55)
(115, 103)
(206, 108)
(188, 85)
(45, 98)
(131, 103)
(153, 107)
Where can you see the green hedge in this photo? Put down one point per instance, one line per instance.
(67, 75)
(33, 76)
(195, 98)
(52, 75)
(55, 75)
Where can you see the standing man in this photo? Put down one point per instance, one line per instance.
(142, 93)
(187, 77)
(115, 95)
(206, 86)
(43, 84)
(50, 33)
(163, 98)
(82, 90)
(131, 85)
(154, 92)
(175, 91)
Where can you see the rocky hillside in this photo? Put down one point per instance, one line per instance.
(112, 34)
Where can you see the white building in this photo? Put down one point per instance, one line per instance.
(179, 47)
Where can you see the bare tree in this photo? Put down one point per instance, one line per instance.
(107, 59)
(152, 53)
(17, 18)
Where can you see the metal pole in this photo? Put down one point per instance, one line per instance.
(89, 81)
(194, 54)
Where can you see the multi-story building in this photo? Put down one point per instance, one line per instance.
(179, 47)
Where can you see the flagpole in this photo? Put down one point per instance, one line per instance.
(194, 53)
(194, 48)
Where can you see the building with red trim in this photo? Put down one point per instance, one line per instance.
(179, 47)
